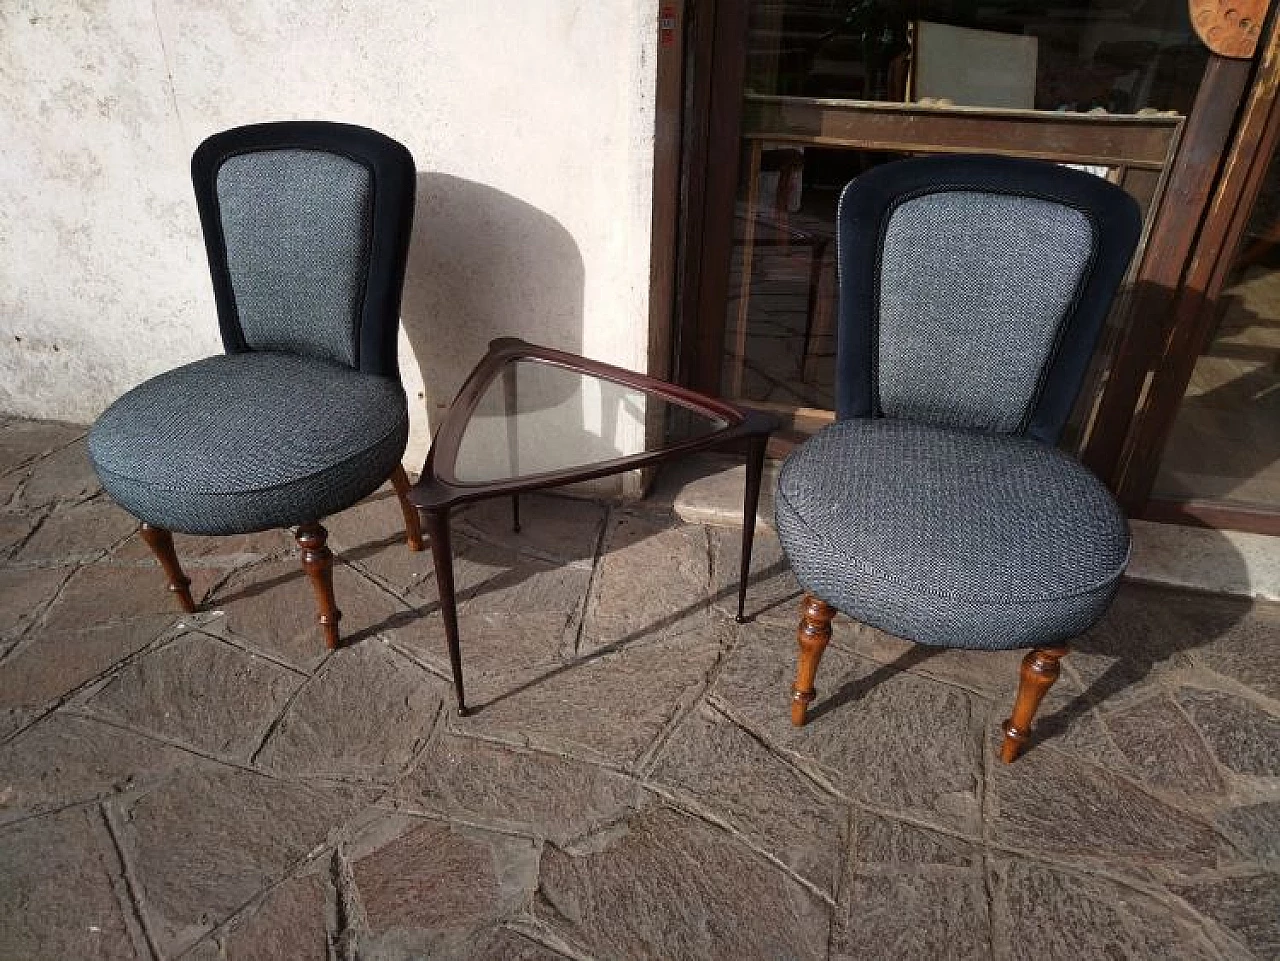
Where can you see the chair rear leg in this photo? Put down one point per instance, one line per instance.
(412, 523)
(161, 543)
(1040, 668)
(812, 636)
(317, 560)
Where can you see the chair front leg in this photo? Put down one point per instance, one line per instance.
(317, 560)
(812, 636)
(161, 543)
(412, 523)
(1040, 668)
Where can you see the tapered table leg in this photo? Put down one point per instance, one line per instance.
(442, 555)
(751, 501)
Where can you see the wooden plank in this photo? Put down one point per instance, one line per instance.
(1110, 139)
(1215, 514)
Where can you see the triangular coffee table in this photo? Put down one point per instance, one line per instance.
(530, 417)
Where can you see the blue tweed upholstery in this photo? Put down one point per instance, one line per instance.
(296, 227)
(950, 537)
(249, 441)
(974, 290)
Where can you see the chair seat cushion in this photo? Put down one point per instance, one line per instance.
(249, 441)
(950, 537)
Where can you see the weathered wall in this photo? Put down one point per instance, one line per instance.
(531, 124)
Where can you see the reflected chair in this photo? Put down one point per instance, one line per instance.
(306, 226)
(936, 508)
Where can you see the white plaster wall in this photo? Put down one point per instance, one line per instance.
(531, 123)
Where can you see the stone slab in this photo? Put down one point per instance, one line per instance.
(608, 709)
(1243, 648)
(1255, 828)
(272, 607)
(670, 597)
(65, 760)
(514, 790)
(501, 653)
(206, 842)
(560, 530)
(24, 594)
(1242, 735)
(1163, 748)
(77, 533)
(202, 692)
(882, 737)
(1042, 912)
(15, 527)
(52, 663)
(1059, 806)
(720, 772)
(58, 899)
(64, 475)
(773, 593)
(910, 893)
(425, 892)
(22, 441)
(1228, 562)
(364, 715)
(1247, 907)
(103, 594)
(669, 886)
(290, 922)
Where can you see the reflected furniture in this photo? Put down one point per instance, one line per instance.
(936, 508)
(530, 417)
(306, 226)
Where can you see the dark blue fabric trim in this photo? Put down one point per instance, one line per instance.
(394, 183)
(865, 207)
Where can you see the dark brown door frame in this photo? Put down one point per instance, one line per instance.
(715, 38)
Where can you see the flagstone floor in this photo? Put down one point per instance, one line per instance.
(219, 786)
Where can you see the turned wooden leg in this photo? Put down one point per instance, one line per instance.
(812, 636)
(1040, 669)
(161, 543)
(412, 523)
(317, 559)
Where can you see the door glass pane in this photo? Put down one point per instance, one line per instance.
(1225, 444)
(1069, 61)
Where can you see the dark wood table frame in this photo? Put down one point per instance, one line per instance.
(439, 491)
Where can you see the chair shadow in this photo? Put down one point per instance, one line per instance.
(859, 687)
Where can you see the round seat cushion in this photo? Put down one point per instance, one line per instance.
(950, 537)
(249, 441)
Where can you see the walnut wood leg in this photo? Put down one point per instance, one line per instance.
(813, 635)
(1040, 669)
(161, 543)
(412, 523)
(317, 559)
(750, 503)
(442, 555)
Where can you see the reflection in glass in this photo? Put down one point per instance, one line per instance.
(536, 417)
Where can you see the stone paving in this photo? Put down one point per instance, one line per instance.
(218, 786)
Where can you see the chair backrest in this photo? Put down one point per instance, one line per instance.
(973, 290)
(307, 229)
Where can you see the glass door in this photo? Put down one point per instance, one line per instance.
(832, 88)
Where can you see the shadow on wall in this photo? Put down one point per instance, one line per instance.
(484, 264)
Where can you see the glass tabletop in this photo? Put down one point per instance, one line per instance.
(537, 417)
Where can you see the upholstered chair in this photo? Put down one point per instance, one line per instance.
(306, 225)
(936, 507)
